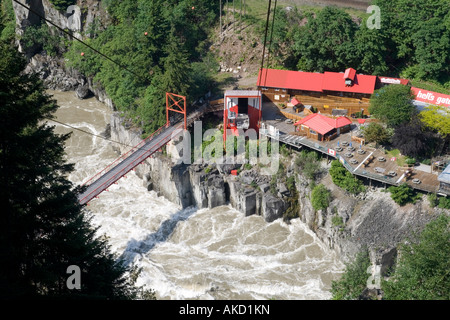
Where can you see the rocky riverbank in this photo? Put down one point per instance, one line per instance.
(370, 220)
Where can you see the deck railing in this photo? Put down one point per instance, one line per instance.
(360, 172)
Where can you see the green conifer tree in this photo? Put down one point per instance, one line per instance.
(43, 228)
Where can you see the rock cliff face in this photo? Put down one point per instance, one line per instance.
(52, 70)
(372, 220)
(199, 185)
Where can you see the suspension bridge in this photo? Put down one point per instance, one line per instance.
(139, 153)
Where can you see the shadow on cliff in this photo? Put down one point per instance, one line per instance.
(163, 233)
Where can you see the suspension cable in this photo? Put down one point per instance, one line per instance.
(265, 38)
(87, 132)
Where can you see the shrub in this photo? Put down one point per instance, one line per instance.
(444, 203)
(320, 197)
(403, 194)
(337, 221)
(273, 185)
(62, 5)
(41, 38)
(375, 132)
(410, 161)
(344, 179)
(354, 279)
(284, 150)
(433, 199)
(308, 164)
(291, 183)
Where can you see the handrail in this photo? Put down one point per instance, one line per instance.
(125, 155)
(134, 162)
(359, 172)
(129, 167)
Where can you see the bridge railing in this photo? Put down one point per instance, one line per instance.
(164, 140)
(124, 156)
(119, 174)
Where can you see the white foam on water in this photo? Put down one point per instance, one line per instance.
(197, 254)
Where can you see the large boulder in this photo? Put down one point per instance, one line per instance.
(83, 92)
(272, 207)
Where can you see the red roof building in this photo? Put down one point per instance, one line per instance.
(319, 126)
(319, 82)
(333, 81)
(350, 74)
(295, 102)
(273, 78)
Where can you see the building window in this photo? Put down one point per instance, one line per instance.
(312, 131)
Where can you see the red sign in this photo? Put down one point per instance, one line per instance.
(332, 152)
(431, 97)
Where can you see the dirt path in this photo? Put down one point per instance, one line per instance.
(356, 4)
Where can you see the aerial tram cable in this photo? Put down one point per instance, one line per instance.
(87, 132)
(265, 39)
(271, 35)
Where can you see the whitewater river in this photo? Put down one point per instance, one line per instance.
(193, 254)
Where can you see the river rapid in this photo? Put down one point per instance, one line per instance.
(188, 253)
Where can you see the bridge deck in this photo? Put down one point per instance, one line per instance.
(128, 163)
(135, 156)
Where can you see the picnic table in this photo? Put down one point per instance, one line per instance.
(348, 155)
(379, 170)
(392, 173)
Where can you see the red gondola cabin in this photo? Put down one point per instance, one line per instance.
(242, 110)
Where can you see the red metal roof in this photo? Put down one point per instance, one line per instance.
(294, 101)
(350, 73)
(310, 81)
(323, 124)
(298, 80)
(342, 121)
(333, 81)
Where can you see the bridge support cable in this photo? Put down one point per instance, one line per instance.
(135, 156)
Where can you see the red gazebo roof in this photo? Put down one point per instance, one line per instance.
(323, 124)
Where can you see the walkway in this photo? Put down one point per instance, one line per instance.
(362, 161)
(128, 161)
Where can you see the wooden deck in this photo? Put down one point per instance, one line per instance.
(326, 103)
(367, 163)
